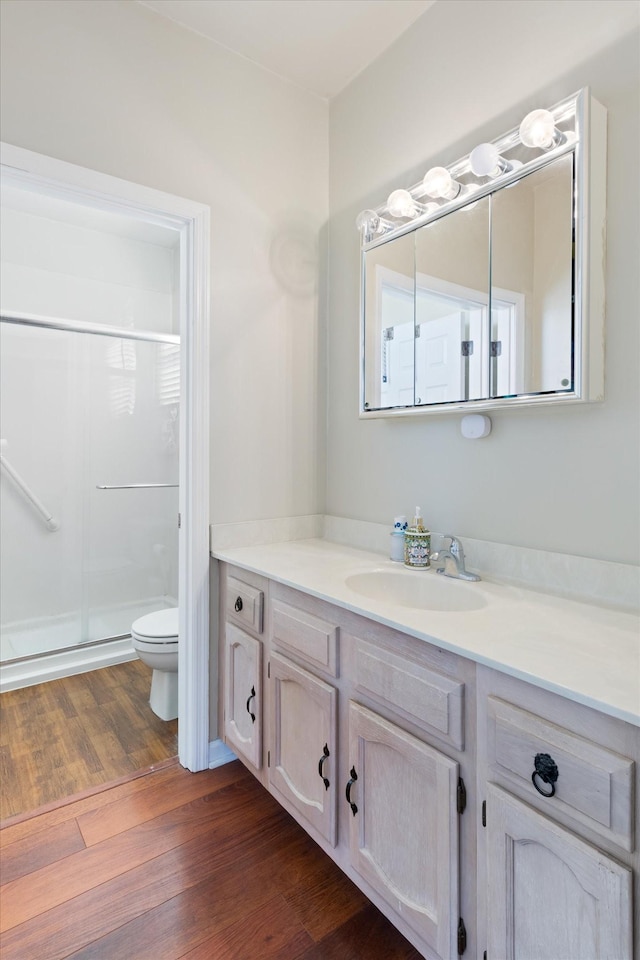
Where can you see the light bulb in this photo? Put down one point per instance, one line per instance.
(400, 203)
(538, 129)
(368, 221)
(485, 161)
(438, 182)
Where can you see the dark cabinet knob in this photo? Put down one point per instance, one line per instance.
(325, 756)
(545, 772)
(251, 697)
(354, 777)
(238, 604)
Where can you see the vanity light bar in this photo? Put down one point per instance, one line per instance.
(547, 132)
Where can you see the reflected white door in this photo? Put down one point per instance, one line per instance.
(397, 350)
(439, 367)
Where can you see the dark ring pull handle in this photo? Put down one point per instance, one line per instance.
(354, 777)
(325, 755)
(238, 604)
(545, 771)
(249, 699)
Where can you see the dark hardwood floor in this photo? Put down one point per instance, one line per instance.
(65, 736)
(175, 865)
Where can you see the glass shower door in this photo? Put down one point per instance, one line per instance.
(40, 562)
(131, 448)
(90, 374)
(90, 424)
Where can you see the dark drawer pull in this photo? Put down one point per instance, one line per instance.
(545, 771)
(238, 604)
(249, 711)
(325, 756)
(354, 777)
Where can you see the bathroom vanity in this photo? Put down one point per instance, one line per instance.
(471, 763)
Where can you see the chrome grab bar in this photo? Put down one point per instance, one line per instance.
(46, 515)
(79, 326)
(132, 486)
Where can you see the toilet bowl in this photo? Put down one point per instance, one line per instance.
(155, 640)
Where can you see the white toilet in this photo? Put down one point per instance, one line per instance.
(155, 640)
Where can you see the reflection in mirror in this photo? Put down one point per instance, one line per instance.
(532, 283)
(389, 324)
(452, 306)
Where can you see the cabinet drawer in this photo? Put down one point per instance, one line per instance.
(244, 604)
(307, 637)
(413, 690)
(594, 785)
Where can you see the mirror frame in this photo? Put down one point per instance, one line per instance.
(588, 142)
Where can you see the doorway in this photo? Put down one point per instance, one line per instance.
(109, 199)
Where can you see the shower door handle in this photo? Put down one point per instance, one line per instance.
(131, 486)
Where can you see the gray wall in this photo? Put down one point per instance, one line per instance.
(110, 85)
(561, 479)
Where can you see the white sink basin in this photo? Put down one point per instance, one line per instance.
(422, 589)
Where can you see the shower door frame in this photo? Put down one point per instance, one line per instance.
(58, 178)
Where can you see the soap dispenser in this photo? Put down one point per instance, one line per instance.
(417, 544)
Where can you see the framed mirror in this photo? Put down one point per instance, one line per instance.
(491, 294)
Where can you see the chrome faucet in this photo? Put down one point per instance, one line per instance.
(451, 562)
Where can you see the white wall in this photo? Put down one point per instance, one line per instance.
(110, 85)
(564, 479)
(78, 411)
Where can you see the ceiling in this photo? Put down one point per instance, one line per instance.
(320, 45)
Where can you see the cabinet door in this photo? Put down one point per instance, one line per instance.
(404, 825)
(243, 694)
(550, 894)
(302, 768)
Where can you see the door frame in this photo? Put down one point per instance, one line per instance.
(191, 220)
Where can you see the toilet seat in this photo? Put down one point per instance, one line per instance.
(160, 627)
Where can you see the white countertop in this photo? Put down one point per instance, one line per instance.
(588, 653)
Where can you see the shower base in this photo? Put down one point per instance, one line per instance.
(44, 649)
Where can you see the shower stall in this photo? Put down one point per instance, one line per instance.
(89, 403)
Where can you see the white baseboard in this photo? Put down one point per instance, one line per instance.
(219, 754)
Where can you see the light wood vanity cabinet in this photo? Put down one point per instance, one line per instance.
(558, 849)
(243, 694)
(303, 720)
(407, 768)
(412, 768)
(302, 745)
(241, 667)
(550, 894)
(403, 828)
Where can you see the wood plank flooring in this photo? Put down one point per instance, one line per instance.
(180, 866)
(65, 736)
